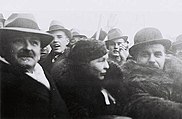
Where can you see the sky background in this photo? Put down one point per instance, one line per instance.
(90, 15)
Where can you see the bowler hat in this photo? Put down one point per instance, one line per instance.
(57, 26)
(177, 42)
(75, 33)
(102, 35)
(24, 23)
(116, 34)
(146, 36)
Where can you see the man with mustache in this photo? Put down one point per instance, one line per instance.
(27, 91)
(155, 78)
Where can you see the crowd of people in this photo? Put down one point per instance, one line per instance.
(62, 74)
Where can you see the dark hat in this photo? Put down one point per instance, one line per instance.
(24, 23)
(146, 36)
(116, 34)
(178, 42)
(75, 33)
(102, 35)
(57, 26)
(87, 50)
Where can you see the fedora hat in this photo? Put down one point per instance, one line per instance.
(146, 36)
(177, 42)
(57, 26)
(102, 35)
(75, 33)
(24, 23)
(116, 33)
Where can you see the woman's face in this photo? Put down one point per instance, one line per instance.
(99, 67)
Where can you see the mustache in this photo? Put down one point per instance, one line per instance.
(26, 53)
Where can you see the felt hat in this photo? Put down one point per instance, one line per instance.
(19, 23)
(146, 36)
(57, 26)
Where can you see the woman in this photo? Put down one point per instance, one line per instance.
(86, 80)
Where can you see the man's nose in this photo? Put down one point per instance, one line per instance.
(116, 46)
(27, 45)
(106, 65)
(152, 59)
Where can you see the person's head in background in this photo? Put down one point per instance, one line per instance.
(177, 47)
(117, 45)
(61, 35)
(76, 36)
(150, 48)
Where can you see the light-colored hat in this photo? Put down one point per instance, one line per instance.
(102, 35)
(57, 26)
(177, 42)
(75, 33)
(116, 34)
(24, 23)
(146, 36)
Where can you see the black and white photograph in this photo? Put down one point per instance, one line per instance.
(91, 59)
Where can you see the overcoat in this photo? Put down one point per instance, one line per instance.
(24, 97)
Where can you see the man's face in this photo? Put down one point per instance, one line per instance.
(116, 46)
(45, 51)
(152, 55)
(60, 41)
(99, 67)
(23, 50)
(178, 51)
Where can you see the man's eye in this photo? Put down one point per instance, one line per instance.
(35, 42)
(144, 55)
(158, 54)
(18, 40)
(59, 36)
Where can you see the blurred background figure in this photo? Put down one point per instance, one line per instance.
(2, 20)
(76, 36)
(177, 47)
(117, 45)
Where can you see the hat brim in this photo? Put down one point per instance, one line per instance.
(176, 44)
(45, 38)
(165, 42)
(68, 33)
(125, 38)
(80, 36)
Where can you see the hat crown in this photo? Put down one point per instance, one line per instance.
(55, 25)
(147, 34)
(74, 32)
(114, 33)
(22, 20)
(179, 38)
